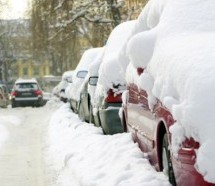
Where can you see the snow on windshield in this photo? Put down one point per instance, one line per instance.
(180, 73)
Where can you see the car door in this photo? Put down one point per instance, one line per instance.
(146, 122)
(132, 108)
(84, 97)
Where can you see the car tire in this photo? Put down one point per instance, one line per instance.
(166, 161)
(81, 112)
(91, 119)
(13, 105)
(123, 122)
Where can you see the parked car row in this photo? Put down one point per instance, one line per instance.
(116, 89)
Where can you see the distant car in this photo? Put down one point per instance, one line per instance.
(85, 110)
(4, 96)
(79, 75)
(59, 90)
(26, 92)
(74, 102)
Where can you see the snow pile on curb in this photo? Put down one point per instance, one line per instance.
(82, 155)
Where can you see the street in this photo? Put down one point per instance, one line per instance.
(50, 146)
(21, 157)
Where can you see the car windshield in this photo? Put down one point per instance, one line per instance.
(21, 86)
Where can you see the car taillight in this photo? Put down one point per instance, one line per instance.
(113, 97)
(140, 71)
(14, 94)
(38, 92)
(190, 143)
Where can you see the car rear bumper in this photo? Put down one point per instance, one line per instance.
(27, 101)
(110, 120)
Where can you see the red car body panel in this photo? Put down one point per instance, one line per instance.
(147, 128)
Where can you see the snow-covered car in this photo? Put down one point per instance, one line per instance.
(59, 90)
(111, 84)
(79, 75)
(26, 92)
(88, 89)
(4, 96)
(168, 105)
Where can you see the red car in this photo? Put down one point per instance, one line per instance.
(150, 128)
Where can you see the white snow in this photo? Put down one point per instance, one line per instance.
(66, 77)
(180, 72)
(109, 69)
(87, 58)
(51, 146)
(84, 156)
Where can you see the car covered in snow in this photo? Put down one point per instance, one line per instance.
(85, 110)
(59, 90)
(26, 92)
(170, 91)
(79, 75)
(111, 84)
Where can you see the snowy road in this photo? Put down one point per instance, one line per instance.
(21, 157)
(50, 146)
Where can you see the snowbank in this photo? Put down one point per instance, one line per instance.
(84, 156)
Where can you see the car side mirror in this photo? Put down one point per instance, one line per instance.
(82, 74)
(93, 80)
(69, 79)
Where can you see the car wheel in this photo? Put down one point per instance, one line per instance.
(123, 121)
(166, 161)
(91, 120)
(81, 112)
(13, 104)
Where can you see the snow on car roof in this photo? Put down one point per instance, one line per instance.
(87, 59)
(180, 73)
(21, 80)
(109, 68)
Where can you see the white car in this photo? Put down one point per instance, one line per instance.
(60, 89)
(79, 75)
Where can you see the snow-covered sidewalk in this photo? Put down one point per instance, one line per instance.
(50, 146)
(82, 155)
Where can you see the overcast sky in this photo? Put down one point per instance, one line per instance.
(16, 9)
